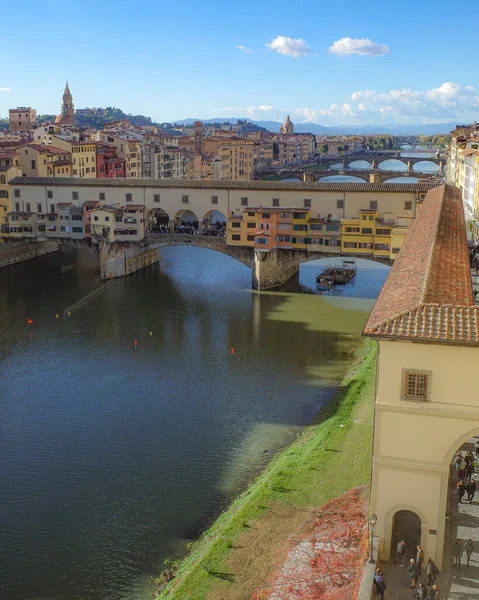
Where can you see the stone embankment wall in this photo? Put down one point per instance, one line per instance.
(123, 258)
(12, 253)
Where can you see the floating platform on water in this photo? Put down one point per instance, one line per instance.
(333, 275)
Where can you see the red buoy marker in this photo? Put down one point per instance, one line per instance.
(135, 343)
(232, 349)
(29, 322)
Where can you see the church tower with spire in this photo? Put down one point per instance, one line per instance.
(67, 116)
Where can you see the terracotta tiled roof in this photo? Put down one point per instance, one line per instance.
(428, 294)
(319, 186)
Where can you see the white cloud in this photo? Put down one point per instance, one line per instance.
(364, 47)
(6, 90)
(289, 46)
(244, 49)
(447, 102)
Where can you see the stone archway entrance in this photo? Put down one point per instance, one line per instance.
(407, 527)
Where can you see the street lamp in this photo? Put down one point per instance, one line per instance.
(372, 524)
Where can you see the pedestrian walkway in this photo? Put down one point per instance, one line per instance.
(454, 583)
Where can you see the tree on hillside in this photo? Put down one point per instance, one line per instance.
(324, 148)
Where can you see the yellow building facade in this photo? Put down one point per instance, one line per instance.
(83, 157)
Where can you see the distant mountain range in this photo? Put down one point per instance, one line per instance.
(420, 129)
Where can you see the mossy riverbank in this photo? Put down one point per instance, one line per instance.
(330, 457)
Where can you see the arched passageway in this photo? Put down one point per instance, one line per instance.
(157, 221)
(407, 528)
(214, 223)
(186, 221)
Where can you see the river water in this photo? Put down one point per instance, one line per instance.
(111, 456)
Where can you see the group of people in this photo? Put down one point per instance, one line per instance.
(465, 473)
(415, 570)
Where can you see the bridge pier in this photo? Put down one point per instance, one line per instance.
(442, 164)
(273, 269)
(308, 176)
(409, 165)
(119, 259)
(374, 164)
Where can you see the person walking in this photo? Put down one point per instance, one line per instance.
(401, 552)
(419, 558)
(431, 571)
(471, 490)
(469, 548)
(469, 470)
(461, 473)
(413, 573)
(458, 550)
(435, 593)
(380, 583)
(460, 491)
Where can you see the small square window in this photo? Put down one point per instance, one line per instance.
(407, 205)
(339, 203)
(416, 385)
(236, 237)
(49, 194)
(214, 199)
(75, 195)
(307, 203)
(95, 218)
(373, 204)
(244, 201)
(107, 218)
(275, 201)
(185, 199)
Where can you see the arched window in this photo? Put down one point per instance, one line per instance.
(2, 179)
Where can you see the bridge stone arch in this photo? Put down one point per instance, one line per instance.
(417, 168)
(309, 255)
(362, 176)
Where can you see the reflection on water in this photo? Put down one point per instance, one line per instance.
(111, 456)
(342, 178)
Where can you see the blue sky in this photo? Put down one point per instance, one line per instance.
(407, 62)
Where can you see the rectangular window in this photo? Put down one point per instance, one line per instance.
(237, 224)
(39, 208)
(261, 241)
(266, 216)
(284, 226)
(383, 231)
(244, 201)
(371, 218)
(284, 215)
(339, 203)
(214, 199)
(316, 226)
(330, 227)
(416, 385)
(350, 245)
(307, 203)
(250, 238)
(251, 214)
(49, 194)
(366, 246)
(251, 225)
(77, 229)
(128, 197)
(381, 246)
(16, 193)
(75, 195)
(367, 230)
(297, 215)
(156, 197)
(52, 208)
(373, 204)
(95, 218)
(101, 195)
(28, 207)
(62, 228)
(275, 201)
(352, 229)
(395, 250)
(407, 205)
(185, 199)
(17, 206)
(34, 164)
(236, 237)
(300, 228)
(76, 218)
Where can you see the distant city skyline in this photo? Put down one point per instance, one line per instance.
(333, 64)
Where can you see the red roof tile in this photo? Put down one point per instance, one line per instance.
(428, 294)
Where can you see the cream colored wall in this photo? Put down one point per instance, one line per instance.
(415, 441)
(322, 203)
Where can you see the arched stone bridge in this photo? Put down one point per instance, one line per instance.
(367, 175)
(376, 159)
